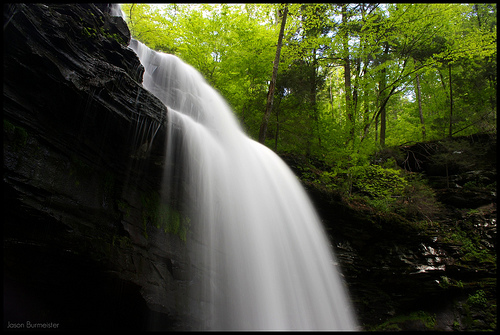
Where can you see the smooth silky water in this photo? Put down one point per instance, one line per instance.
(260, 255)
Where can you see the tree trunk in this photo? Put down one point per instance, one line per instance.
(270, 93)
(419, 99)
(447, 95)
(450, 133)
(312, 99)
(383, 85)
(331, 98)
(277, 135)
(382, 127)
(347, 75)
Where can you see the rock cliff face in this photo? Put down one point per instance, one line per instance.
(82, 245)
(436, 270)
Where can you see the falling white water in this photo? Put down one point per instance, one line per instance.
(260, 251)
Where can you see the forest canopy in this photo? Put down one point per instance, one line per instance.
(351, 79)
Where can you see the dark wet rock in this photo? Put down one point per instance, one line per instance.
(413, 274)
(80, 245)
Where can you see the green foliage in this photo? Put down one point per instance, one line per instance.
(478, 299)
(393, 190)
(378, 182)
(383, 187)
(387, 46)
(232, 46)
(446, 282)
(480, 311)
(472, 248)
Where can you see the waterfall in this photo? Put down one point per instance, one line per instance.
(260, 256)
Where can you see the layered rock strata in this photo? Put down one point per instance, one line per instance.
(83, 144)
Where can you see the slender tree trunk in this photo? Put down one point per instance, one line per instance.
(276, 137)
(130, 15)
(450, 133)
(419, 99)
(476, 10)
(312, 97)
(331, 99)
(382, 127)
(443, 130)
(385, 97)
(383, 85)
(270, 93)
(347, 75)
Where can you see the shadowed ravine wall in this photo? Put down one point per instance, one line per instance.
(83, 245)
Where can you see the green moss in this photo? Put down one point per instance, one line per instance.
(379, 182)
(157, 213)
(447, 282)
(90, 32)
(124, 207)
(472, 249)
(79, 169)
(480, 311)
(20, 135)
(478, 299)
(115, 37)
(427, 319)
(8, 127)
(121, 241)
